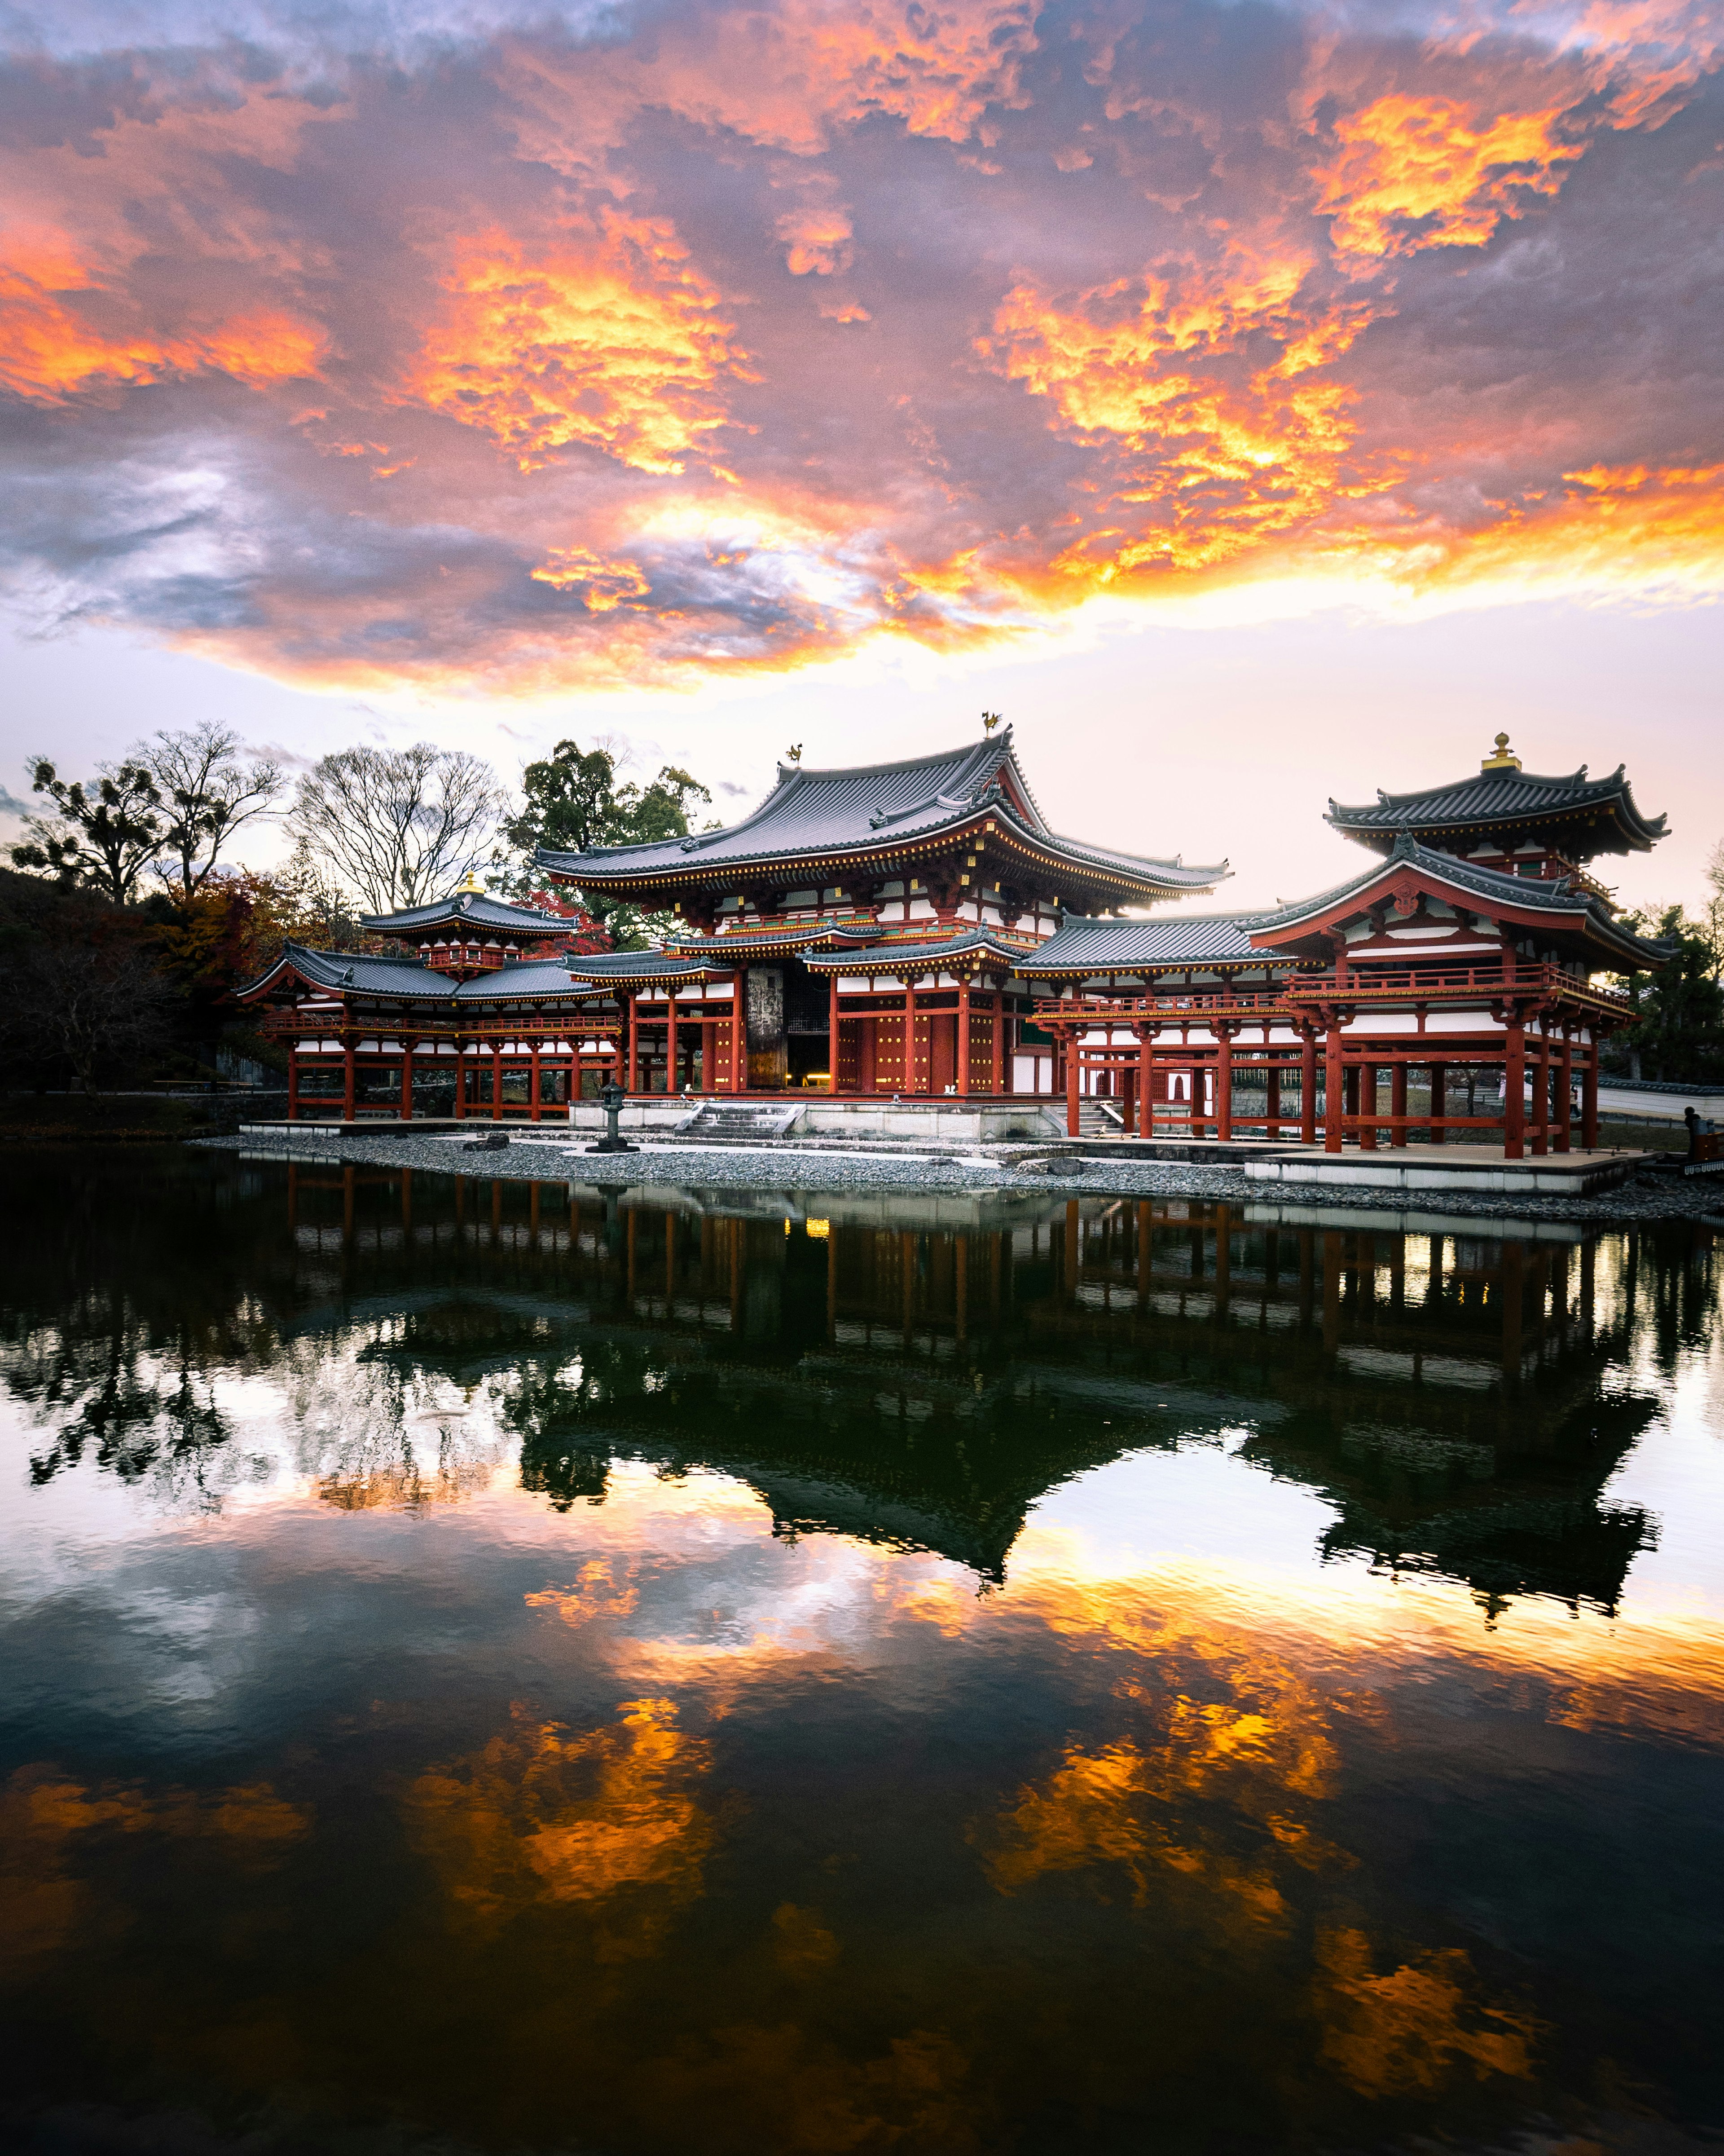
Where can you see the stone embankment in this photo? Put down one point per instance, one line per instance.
(548, 1154)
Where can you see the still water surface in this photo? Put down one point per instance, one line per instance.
(493, 1662)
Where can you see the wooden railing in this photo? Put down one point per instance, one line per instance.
(302, 1025)
(1292, 997)
(1442, 984)
(1097, 1010)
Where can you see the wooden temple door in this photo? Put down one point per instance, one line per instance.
(718, 1073)
(983, 1067)
(942, 1051)
(889, 1072)
(847, 1055)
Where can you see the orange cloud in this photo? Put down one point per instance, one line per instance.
(1229, 453)
(1411, 2029)
(603, 585)
(49, 351)
(1421, 172)
(805, 70)
(539, 1816)
(45, 1813)
(613, 342)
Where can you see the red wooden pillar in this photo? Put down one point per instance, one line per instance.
(1565, 1090)
(1589, 1094)
(460, 1080)
(1440, 1102)
(1272, 1102)
(349, 1077)
(1514, 1079)
(1397, 1103)
(631, 1001)
(533, 1086)
(1146, 1081)
(833, 1023)
(407, 1078)
(1308, 1087)
(909, 1074)
(963, 1035)
(997, 1052)
(496, 1081)
(1223, 1082)
(1541, 1092)
(293, 1085)
(1334, 1087)
(1074, 1079)
(739, 1030)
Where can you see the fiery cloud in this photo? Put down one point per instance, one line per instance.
(612, 345)
(519, 354)
(49, 351)
(1420, 171)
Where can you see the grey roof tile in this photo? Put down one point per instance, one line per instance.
(1114, 946)
(640, 966)
(467, 909)
(355, 973)
(892, 957)
(823, 813)
(1509, 798)
(1556, 897)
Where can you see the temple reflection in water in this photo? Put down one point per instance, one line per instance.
(542, 1670)
(920, 1372)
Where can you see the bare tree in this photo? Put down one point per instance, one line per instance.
(103, 836)
(398, 827)
(207, 794)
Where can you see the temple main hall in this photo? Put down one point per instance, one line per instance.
(916, 930)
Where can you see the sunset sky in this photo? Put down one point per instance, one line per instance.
(1252, 403)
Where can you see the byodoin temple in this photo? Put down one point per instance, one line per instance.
(915, 929)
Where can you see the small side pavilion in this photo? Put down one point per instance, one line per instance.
(472, 1015)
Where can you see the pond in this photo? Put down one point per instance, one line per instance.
(498, 1666)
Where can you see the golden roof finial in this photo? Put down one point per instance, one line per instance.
(1505, 758)
(473, 884)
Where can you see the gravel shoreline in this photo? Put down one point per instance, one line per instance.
(1645, 1197)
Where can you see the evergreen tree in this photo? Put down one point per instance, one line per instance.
(571, 804)
(1680, 1033)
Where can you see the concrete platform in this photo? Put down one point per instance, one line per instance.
(1436, 1168)
(944, 1120)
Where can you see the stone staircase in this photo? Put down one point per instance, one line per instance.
(1096, 1118)
(728, 1121)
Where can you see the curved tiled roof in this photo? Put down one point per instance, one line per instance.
(1507, 799)
(355, 973)
(1556, 897)
(739, 942)
(817, 814)
(1105, 946)
(468, 910)
(893, 957)
(640, 966)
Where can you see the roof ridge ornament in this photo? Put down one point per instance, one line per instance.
(1505, 758)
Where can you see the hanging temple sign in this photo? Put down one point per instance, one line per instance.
(917, 929)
